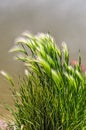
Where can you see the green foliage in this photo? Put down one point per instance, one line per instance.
(52, 95)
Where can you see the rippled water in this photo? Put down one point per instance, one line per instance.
(65, 20)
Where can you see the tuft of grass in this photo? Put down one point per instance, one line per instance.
(52, 94)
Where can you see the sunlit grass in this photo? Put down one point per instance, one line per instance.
(52, 94)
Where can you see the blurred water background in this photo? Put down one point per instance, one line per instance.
(64, 19)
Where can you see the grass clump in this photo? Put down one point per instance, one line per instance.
(52, 95)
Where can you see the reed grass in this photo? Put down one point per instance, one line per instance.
(52, 94)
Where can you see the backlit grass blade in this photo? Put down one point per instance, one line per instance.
(8, 77)
(52, 93)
